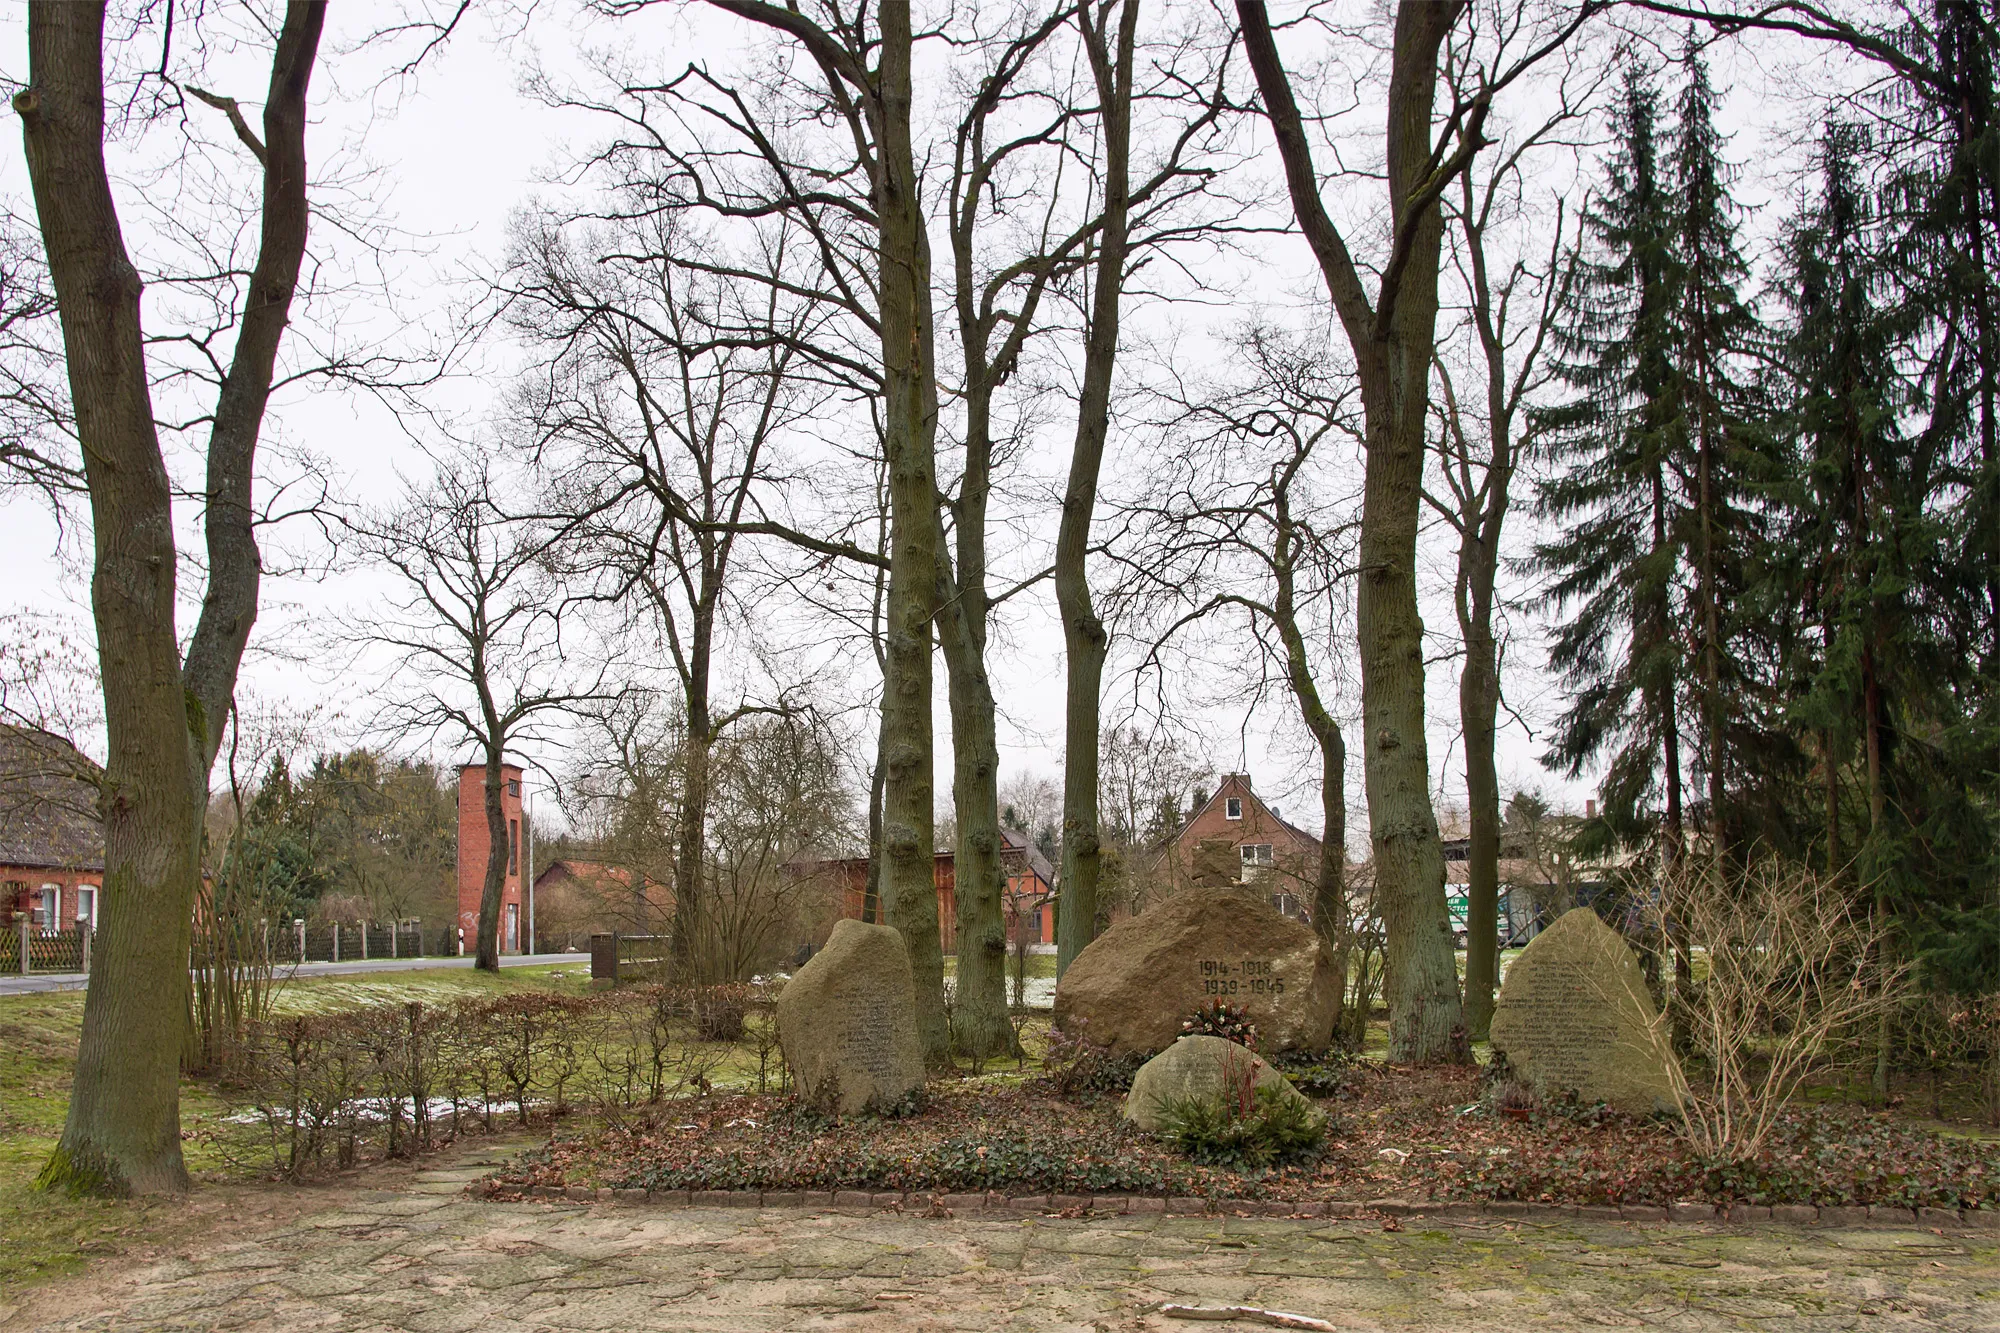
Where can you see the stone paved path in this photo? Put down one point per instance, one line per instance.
(424, 1257)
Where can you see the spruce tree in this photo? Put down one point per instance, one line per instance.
(1614, 492)
(1849, 506)
(1721, 449)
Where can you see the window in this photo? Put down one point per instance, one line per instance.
(48, 907)
(86, 906)
(1256, 854)
(513, 786)
(1287, 903)
(1233, 807)
(513, 845)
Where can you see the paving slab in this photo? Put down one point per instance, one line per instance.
(414, 1258)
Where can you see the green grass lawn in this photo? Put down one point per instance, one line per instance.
(48, 1235)
(1039, 965)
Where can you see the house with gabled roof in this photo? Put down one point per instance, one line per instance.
(51, 836)
(1236, 838)
(1026, 897)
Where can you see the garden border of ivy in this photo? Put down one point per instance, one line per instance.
(926, 1204)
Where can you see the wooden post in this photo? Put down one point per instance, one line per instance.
(84, 927)
(301, 923)
(364, 941)
(336, 941)
(395, 939)
(25, 968)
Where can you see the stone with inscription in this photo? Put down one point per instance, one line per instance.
(1130, 990)
(1203, 1067)
(847, 1022)
(1574, 1015)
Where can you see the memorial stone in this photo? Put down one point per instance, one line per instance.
(1131, 988)
(1574, 1016)
(847, 1022)
(1202, 1067)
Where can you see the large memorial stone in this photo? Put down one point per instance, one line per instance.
(1574, 1015)
(1131, 988)
(1203, 1067)
(847, 1022)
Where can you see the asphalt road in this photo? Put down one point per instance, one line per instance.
(49, 981)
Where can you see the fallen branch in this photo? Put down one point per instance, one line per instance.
(1276, 1318)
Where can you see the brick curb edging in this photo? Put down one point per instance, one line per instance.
(1108, 1205)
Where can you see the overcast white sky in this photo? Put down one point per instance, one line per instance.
(461, 147)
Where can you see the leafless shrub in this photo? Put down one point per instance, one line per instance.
(329, 1087)
(1794, 969)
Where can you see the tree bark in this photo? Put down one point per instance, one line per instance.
(1085, 641)
(1329, 901)
(164, 719)
(486, 948)
(235, 566)
(1393, 340)
(980, 991)
(909, 895)
(1478, 707)
(690, 849)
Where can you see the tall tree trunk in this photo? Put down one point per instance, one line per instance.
(164, 719)
(980, 991)
(871, 891)
(1871, 706)
(910, 424)
(1394, 340)
(692, 835)
(486, 948)
(1085, 641)
(122, 1133)
(1711, 637)
(1329, 900)
(1478, 709)
(691, 839)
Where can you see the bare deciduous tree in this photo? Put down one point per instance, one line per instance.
(1393, 336)
(1508, 317)
(1247, 524)
(165, 714)
(657, 428)
(474, 631)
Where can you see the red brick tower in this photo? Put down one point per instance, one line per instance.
(472, 847)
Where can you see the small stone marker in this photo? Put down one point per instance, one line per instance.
(1202, 1067)
(1130, 989)
(847, 1022)
(1574, 1015)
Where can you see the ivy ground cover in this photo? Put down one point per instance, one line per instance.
(1407, 1134)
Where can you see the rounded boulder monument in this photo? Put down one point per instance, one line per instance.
(1202, 1068)
(1574, 1016)
(847, 1022)
(1132, 987)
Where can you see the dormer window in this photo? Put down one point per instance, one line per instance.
(1232, 808)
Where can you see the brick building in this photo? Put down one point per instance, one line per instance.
(574, 899)
(473, 842)
(1234, 838)
(51, 839)
(1030, 917)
